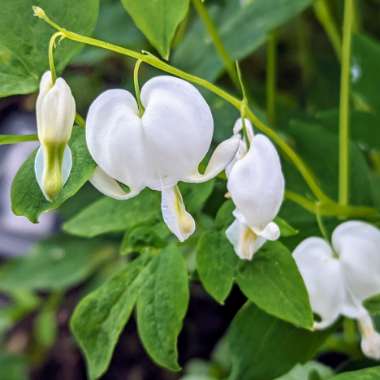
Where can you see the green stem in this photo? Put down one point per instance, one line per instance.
(357, 22)
(271, 77)
(15, 139)
(321, 225)
(344, 108)
(137, 86)
(152, 60)
(324, 16)
(217, 41)
(331, 209)
(52, 45)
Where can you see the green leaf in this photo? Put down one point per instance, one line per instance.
(264, 347)
(308, 371)
(57, 263)
(224, 215)
(24, 39)
(162, 306)
(323, 160)
(100, 317)
(372, 304)
(364, 71)
(272, 281)
(114, 25)
(216, 264)
(363, 374)
(364, 126)
(46, 322)
(110, 215)
(15, 139)
(196, 195)
(143, 237)
(158, 20)
(242, 28)
(13, 367)
(27, 198)
(286, 229)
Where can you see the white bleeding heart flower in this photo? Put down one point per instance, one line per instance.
(340, 276)
(157, 149)
(256, 185)
(55, 111)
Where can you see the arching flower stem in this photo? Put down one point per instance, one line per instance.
(137, 86)
(329, 205)
(52, 46)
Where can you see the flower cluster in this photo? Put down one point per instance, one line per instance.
(163, 141)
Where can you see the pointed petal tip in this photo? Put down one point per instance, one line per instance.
(179, 221)
(110, 187)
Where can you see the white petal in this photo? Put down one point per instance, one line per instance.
(222, 156)
(39, 167)
(55, 110)
(178, 125)
(178, 220)
(270, 232)
(238, 126)
(256, 183)
(241, 152)
(323, 278)
(370, 342)
(245, 242)
(115, 138)
(108, 186)
(357, 244)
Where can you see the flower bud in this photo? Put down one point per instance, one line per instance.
(55, 111)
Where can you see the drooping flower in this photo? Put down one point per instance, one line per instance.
(157, 149)
(340, 276)
(55, 111)
(256, 185)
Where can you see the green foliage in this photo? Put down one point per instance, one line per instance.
(158, 20)
(308, 371)
(323, 160)
(243, 28)
(101, 316)
(365, 56)
(364, 374)
(263, 347)
(216, 264)
(54, 264)
(27, 198)
(24, 39)
(110, 215)
(12, 367)
(272, 281)
(373, 304)
(162, 306)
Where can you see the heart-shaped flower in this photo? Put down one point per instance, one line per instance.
(256, 185)
(340, 276)
(55, 111)
(157, 149)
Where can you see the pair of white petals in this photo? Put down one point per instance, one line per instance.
(340, 276)
(158, 149)
(55, 111)
(256, 185)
